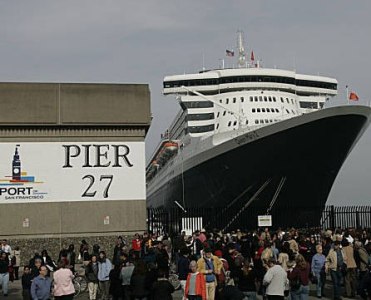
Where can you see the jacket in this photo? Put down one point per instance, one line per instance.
(332, 260)
(63, 284)
(201, 265)
(40, 288)
(349, 257)
(200, 285)
(104, 268)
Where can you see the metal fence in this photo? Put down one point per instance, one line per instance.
(346, 217)
(174, 220)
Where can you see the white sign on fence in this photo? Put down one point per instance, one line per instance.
(265, 221)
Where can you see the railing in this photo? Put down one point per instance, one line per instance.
(173, 220)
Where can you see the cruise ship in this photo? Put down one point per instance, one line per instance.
(251, 141)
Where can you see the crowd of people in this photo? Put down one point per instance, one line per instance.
(209, 265)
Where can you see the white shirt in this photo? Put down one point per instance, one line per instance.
(275, 279)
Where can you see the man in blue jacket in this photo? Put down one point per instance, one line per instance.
(40, 287)
(104, 268)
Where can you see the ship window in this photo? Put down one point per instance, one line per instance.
(270, 99)
(227, 101)
(258, 109)
(292, 101)
(266, 121)
(224, 113)
(293, 111)
(198, 104)
(242, 99)
(287, 99)
(312, 105)
(217, 126)
(247, 122)
(287, 111)
(277, 110)
(234, 100)
(234, 123)
(221, 101)
(256, 121)
(229, 123)
(321, 104)
(256, 98)
(251, 98)
(261, 121)
(281, 99)
(218, 115)
(253, 110)
(200, 129)
(198, 117)
(265, 98)
(274, 99)
(260, 98)
(270, 121)
(263, 109)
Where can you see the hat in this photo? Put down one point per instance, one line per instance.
(218, 253)
(207, 250)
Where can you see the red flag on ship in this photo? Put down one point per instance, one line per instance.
(229, 52)
(353, 96)
(252, 56)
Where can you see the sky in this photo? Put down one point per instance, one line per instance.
(110, 41)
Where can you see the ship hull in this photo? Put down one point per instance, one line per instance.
(285, 170)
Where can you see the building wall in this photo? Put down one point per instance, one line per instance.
(60, 112)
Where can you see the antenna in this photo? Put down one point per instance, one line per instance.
(241, 49)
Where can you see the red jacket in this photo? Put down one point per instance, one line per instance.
(136, 244)
(200, 286)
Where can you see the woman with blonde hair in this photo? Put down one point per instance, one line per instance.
(299, 279)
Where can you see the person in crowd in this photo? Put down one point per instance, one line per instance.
(209, 265)
(4, 272)
(126, 273)
(138, 282)
(363, 259)
(318, 270)
(35, 268)
(300, 275)
(16, 261)
(162, 289)
(116, 259)
(91, 273)
(334, 262)
(275, 280)
(104, 268)
(63, 282)
(5, 247)
(195, 288)
(84, 253)
(71, 257)
(115, 287)
(47, 261)
(136, 245)
(350, 279)
(40, 287)
(283, 256)
(183, 267)
(26, 283)
(162, 258)
(246, 280)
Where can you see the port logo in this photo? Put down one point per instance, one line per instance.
(19, 185)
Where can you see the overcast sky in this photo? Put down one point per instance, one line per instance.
(142, 41)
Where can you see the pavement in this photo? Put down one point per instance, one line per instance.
(15, 292)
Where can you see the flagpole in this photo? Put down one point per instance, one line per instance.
(347, 93)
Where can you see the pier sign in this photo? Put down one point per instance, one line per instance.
(54, 172)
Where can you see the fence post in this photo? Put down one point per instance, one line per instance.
(332, 217)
